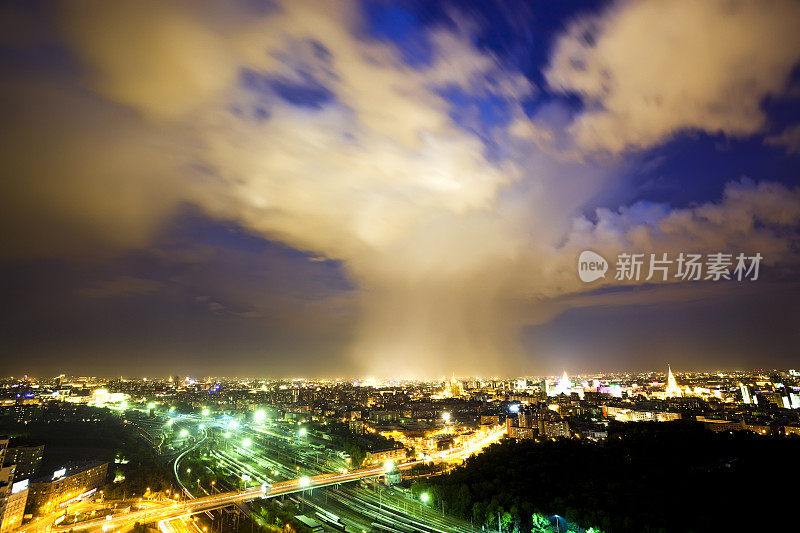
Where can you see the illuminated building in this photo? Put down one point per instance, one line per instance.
(564, 385)
(9, 501)
(452, 389)
(745, 393)
(26, 458)
(395, 454)
(672, 386)
(72, 483)
(13, 508)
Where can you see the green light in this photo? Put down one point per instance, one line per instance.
(233, 424)
(304, 481)
(201, 427)
(302, 432)
(184, 433)
(151, 405)
(424, 497)
(205, 411)
(246, 443)
(259, 416)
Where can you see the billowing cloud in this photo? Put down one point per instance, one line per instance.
(291, 123)
(649, 69)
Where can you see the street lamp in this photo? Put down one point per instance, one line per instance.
(424, 497)
(302, 432)
(446, 417)
(205, 411)
(247, 442)
(259, 416)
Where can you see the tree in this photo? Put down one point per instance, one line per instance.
(539, 523)
(505, 520)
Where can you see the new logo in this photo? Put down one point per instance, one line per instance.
(591, 266)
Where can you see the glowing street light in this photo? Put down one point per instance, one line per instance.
(201, 427)
(424, 497)
(388, 466)
(247, 442)
(304, 481)
(259, 416)
(233, 424)
(302, 432)
(184, 433)
(205, 411)
(446, 417)
(151, 405)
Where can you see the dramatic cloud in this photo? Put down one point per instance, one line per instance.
(289, 122)
(649, 69)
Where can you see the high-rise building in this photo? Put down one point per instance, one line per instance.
(745, 393)
(27, 460)
(6, 486)
(672, 385)
(73, 482)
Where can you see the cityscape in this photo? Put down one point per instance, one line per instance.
(230, 453)
(399, 266)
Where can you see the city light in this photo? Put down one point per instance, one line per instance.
(151, 405)
(302, 432)
(205, 411)
(246, 442)
(388, 466)
(305, 481)
(446, 416)
(184, 433)
(233, 424)
(424, 497)
(260, 416)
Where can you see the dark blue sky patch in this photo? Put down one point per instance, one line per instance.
(695, 168)
(307, 93)
(403, 26)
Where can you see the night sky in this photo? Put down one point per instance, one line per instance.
(298, 188)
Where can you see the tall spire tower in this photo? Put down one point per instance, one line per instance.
(672, 385)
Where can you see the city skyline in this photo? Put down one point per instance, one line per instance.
(377, 188)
